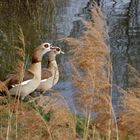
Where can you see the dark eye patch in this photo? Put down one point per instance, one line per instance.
(46, 45)
(58, 49)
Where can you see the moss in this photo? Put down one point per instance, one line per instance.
(128, 137)
(48, 116)
(80, 125)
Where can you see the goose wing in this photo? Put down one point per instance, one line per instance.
(28, 75)
(46, 73)
(15, 78)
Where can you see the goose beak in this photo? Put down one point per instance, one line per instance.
(55, 48)
(62, 52)
(52, 48)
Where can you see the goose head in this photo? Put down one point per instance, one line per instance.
(57, 50)
(45, 47)
(54, 52)
(40, 51)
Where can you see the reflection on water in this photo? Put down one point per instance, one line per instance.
(118, 24)
(124, 30)
(67, 16)
(134, 34)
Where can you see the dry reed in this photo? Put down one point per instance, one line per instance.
(129, 121)
(61, 123)
(91, 65)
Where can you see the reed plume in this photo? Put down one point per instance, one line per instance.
(90, 61)
(129, 121)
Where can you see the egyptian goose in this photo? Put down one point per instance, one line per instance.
(32, 77)
(50, 75)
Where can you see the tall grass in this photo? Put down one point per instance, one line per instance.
(20, 51)
(91, 65)
(92, 70)
(129, 121)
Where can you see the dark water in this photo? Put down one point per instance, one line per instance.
(123, 18)
(124, 30)
(49, 21)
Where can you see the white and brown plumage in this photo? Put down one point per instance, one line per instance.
(32, 77)
(50, 75)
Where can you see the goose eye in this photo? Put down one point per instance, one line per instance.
(46, 45)
(58, 49)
